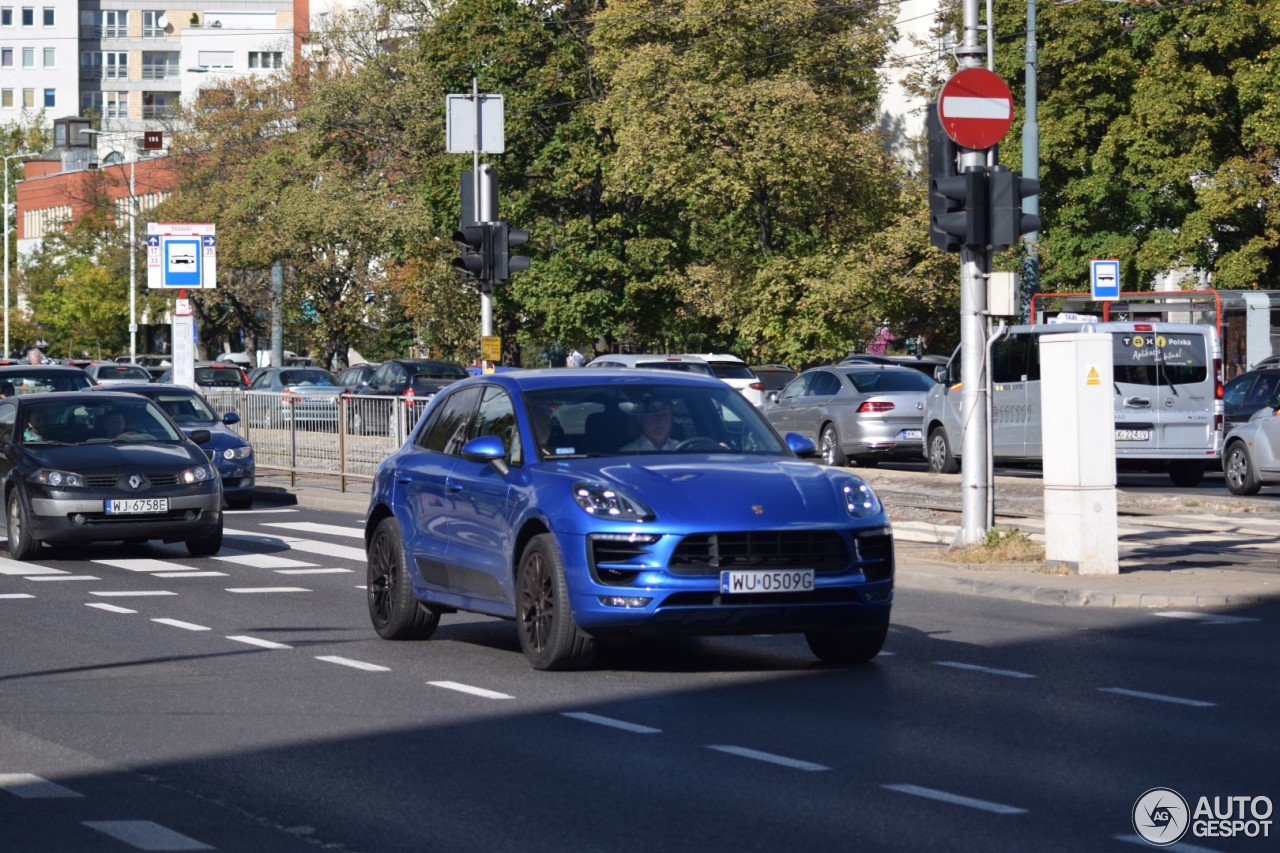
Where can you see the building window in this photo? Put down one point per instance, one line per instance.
(50, 97)
(50, 57)
(156, 105)
(6, 57)
(28, 57)
(47, 16)
(28, 16)
(29, 98)
(105, 25)
(159, 66)
(266, 59)
(6, 98)
(216, 59)
(6, 16)
(153, 24)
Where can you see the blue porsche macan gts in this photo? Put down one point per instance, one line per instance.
(589, 505)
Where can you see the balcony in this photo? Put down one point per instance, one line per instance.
(160, 72)
(150, 113)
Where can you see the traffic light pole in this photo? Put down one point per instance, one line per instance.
(975, 264)
(484, 213)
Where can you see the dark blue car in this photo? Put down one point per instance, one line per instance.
(586, 505)
(229, 452)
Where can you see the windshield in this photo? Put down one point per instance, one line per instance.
(436, 372)
(77, 421)
(890, 381)
(687, 366)
(730, 370)
(306, 377)
(124, 372)
(1159, 358)
(186, 409)
(651, 418)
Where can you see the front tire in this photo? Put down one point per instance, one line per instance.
(1241, 475)
(941, 459)
(206, 546)
(845, 647)
(829, 443)
(394, 610)
(549, 637)
(22, 544)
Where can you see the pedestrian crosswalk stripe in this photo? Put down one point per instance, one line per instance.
(309, 546)
(316, 527)
(29, 786)
(262, 561)
(139, 564)
(146, 835)
(16, 567)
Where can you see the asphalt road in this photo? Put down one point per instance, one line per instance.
(154, 701)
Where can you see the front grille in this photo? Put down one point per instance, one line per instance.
(710, 553)
(875, 552)
(111, 481)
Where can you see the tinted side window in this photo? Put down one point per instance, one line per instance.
(1155, 358)
(8, 416)
(496, 416)
(446, 431)
(1011, 359)
(824, 385)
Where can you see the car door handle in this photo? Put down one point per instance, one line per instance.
(453, 486)
(1137, 402)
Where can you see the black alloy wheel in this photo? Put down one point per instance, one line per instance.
(394, 610)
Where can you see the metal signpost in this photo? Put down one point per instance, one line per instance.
(182, 256)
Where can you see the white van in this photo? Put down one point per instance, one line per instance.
(1168, 385)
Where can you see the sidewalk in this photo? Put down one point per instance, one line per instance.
(1162, 568)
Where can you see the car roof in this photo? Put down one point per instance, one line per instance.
(146, 388)
(534, 380)
(633, 358)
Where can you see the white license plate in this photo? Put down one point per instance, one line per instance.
(1133, 435)
(135, 506)
(909, 434)
(763, 581)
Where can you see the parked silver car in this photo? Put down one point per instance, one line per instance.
(1251, 452)
(866, 413)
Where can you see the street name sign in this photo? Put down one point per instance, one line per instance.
(975, 108)
(182, 256)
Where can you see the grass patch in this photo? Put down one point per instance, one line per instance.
(1000, 545)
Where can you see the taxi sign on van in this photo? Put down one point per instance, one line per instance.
(1072, 317)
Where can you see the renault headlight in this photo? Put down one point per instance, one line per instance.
(242, 452)
(603, 501)
(198, 474)
(58, 479)
(860, 500)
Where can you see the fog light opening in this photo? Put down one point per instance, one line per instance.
(190, 515)
(77, 519)
(626, 601)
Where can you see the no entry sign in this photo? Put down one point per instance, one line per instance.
(975, 108)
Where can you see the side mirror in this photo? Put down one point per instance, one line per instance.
(201, 436)
(230, 418)
(942, 374)
(487, 448)
(772, 396)
(800, 445)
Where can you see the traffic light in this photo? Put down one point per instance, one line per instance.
(1008, 222)
(476, 244)
(505, 238)
(942, 165)
(964, 223)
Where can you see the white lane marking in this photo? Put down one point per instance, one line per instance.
(467, 688)
(1181, 847)
(139, 564)
(313, 571)
(612, 723)
(1206, 618)
(127, 593)
(265, 511)
(146, 835)
(29, 786)
(256, 589)
(63, 578)
(307, 546)
(262, 561)
(316, 527)
(190, 574)
(16, 595)
(254, 641)
(354, 664)
(110, 608)
(1008, 673)
(955, 799)
(13, 567)
(769, 757)
(178, 623)
(1158, 697)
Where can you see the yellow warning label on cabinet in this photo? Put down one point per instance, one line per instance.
(1092, 377)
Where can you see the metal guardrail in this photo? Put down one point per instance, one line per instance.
(342, 435)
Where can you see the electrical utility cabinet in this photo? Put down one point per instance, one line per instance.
(1077, 396)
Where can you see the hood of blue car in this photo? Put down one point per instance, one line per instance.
(742, 493)
(219, 435)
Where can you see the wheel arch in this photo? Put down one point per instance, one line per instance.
(531, 528)
(376, 516)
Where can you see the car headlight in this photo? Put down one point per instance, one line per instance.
(860, 500)
(604, 501)
(242, 452)
(58, 479)
(198, 474)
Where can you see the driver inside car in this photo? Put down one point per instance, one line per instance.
(655, 428)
